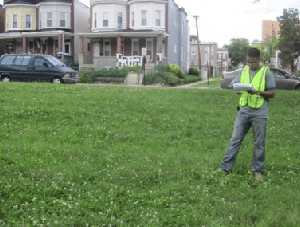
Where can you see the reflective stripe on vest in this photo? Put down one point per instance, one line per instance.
(258, 81)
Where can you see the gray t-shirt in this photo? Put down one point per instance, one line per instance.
(263, 111)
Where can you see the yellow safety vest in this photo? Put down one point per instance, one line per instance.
(259, 83)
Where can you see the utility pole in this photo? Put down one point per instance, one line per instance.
(199, 54)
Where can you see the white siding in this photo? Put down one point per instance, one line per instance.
(150, 8)
(112, 10)
(56, 9)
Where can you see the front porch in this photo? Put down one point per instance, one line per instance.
(118, 49)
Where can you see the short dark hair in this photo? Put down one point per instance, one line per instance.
(253, 52)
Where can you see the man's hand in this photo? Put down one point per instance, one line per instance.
(265, 94)
(254, 92)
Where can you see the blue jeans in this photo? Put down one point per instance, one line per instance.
(242, 125)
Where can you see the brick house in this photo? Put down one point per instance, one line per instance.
(223, 59)
(122, 31)
(2, 42)
(44, 27)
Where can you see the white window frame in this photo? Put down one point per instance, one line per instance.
(120, 20)
(49, 19)
(105, 19)
(132, 19)
(95, 20)
(193, 50)
(158, 18)
(138, 46)
(69, 47)
(104, 50)
(15, 22)
(149, 40)
(30, 22)
(175, 47)
(62, 19)
(144, 18)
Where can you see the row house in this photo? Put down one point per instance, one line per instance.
(208, 53)
(44, 27)
(223, 59)
(122, 31)
(2, 43)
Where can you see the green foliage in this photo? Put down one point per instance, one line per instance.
(289, 42)
(170, 78)
(174, 68)
(194, 71)
(86, 76)
(134, 69)
(112, 73)
(153, 77)
(238, 50)
(160, 67)
(191, 78)
(129, 156)
(267, 48)
(297, 73)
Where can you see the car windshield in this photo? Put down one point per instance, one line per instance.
(54, 61)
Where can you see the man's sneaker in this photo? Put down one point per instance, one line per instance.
(258, 177)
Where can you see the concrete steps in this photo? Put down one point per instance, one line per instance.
(134, 79)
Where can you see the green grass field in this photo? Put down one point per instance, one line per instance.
(80, 155)
(212, 83)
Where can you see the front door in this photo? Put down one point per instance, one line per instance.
(96, 50)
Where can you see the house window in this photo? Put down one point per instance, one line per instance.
(219, 56)
(132, 19)
(95, 20)
(193, 51)
(67, 48)
(120, 20)
(49, 19)
(144, 18)
(62, 19)
(105, 19)
(106, 48)
(158, 16)
(15, 21)
(149, 46)
(40, 20)
(175, 48)
(28, 21)
(135, 47)
(176, 22)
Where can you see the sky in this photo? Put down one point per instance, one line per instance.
(221, 20)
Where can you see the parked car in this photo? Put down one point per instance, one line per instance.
(28, 68)
(283, 79)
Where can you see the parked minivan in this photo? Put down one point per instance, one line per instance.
(28, 68)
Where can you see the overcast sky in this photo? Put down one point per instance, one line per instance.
(221, 20)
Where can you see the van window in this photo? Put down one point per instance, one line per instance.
(22, 60)
(39, 61)
(8, 60)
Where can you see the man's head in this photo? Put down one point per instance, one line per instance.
(253, 59)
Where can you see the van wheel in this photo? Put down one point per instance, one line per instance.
(5, 79)
(57, 80)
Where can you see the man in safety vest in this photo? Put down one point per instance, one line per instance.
(253, 111)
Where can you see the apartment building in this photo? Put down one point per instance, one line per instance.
(208, 53)
(122, 31)
(44, 27)
(270, 28)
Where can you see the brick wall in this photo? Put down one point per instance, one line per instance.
(270, 28)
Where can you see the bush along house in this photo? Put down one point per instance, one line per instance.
(123, 31)
(44, 27)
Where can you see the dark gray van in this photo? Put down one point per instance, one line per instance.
(28, 68)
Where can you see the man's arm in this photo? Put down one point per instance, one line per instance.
(266, 94)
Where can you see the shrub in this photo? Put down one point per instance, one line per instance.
(170, 78)
(153, 77)
(173, 68)
(110, 80)
(297, 73)
(112, 73)
(192, 78)
(86, 76)
(160, 68)
(180, 75)
(194, 71)
(134, 69)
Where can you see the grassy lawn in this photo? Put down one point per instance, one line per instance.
(213, 83)
(74, 155)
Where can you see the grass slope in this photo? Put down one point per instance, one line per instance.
(123, 156)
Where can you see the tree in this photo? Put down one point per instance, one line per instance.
(238, 50)
(267, 48)
(289, 42)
